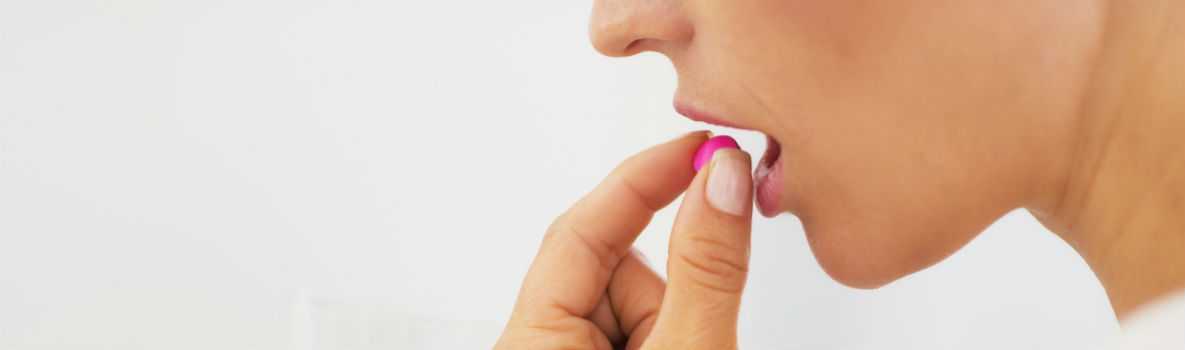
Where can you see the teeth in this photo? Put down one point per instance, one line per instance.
(762, 171)
(768, 159)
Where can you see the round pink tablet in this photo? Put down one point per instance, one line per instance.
(704, 154)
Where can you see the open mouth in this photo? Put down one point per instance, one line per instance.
(773, 150)
(767, 177)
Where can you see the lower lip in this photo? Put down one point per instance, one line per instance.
(768, 179)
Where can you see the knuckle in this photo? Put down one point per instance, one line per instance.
(714, 265)
(643, 198)
(567, 233)
(561, 229)
(554, 230)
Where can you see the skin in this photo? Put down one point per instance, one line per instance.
(907, 127)
(588, 290)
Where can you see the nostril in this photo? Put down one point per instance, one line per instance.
(621, 28)
(631, 47)
(637, 46)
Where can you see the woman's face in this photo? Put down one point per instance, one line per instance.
(904, 127)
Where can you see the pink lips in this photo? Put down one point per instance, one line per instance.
(700, 116)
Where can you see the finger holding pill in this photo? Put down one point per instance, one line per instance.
(704, 155)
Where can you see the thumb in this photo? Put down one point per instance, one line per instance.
(709, 258)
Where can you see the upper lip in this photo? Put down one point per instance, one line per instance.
(772, 150)
(702, 116)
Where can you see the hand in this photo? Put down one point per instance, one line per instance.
(587, 289)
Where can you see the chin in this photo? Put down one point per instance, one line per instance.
(853, 261)
(855, 275)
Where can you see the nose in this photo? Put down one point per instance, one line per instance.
(621, 28)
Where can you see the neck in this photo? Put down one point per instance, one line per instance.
(1122, 206)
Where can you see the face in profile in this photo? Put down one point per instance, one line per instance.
(898, 129)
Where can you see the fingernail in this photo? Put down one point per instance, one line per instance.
(728, 182)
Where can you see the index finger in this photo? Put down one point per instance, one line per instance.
(584, 245)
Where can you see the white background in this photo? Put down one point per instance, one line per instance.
(366, 174)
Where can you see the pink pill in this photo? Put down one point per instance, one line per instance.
(704, 154)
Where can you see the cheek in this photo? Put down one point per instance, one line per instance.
(889, 195)
(884, 197)
(892, 117)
